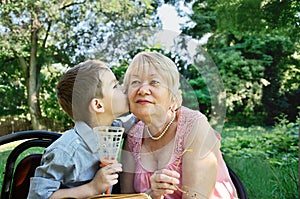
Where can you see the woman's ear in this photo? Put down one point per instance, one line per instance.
(176, 101)
(172, 105)
(97, 105)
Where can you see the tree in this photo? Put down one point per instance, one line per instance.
(36, 34)
(254, 44)
(11, 84)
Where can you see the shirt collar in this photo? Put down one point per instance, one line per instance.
(88, 135)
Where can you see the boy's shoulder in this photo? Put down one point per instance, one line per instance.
(66, 142)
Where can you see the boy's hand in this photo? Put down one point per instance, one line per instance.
(106, 177)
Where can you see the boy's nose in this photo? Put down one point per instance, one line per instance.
(123, 89)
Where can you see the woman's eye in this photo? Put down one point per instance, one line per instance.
(135, 82)
(154, 83)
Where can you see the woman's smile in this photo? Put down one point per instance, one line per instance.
(143, 101)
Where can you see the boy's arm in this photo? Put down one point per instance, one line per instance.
(82, 191)
(104, 179)
(50, 174)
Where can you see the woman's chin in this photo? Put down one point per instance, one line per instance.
(142, 114)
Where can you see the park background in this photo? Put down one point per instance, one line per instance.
(253, 43)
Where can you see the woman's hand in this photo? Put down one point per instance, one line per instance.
(162, 183)
(106, 177)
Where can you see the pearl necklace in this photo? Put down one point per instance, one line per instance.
(163, 132)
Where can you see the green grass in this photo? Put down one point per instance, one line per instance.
(263, 180)
(267, 168)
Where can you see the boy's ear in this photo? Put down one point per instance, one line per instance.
(97, 105)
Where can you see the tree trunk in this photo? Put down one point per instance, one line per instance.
(33, 90)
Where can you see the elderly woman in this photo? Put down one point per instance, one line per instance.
(172, 152)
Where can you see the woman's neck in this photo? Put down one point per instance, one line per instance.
(157, 124)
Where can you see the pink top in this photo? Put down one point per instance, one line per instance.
(224, 187)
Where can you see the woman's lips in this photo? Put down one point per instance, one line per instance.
(143, 101)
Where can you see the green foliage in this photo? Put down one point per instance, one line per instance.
(197, 98)
(278, 146)
(255, 45)
(205, 18)
(291, 77)
(54, 117)
(119, 70)
(275, 102)
(263, 180)
(12, 90)
(37, 34)
(283, 16)
(264, 157)
(237, 15)
(242, 66)
(256, 16)
(254, 49)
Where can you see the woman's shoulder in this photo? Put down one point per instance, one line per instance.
(187, 119)
(135, 134)
(136, 129)
(195, 124)
(186, 114)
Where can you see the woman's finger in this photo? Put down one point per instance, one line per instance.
(165, 178)
(168, 172)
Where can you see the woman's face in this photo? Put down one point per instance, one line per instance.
(148, 93)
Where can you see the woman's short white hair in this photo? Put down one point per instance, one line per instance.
(163, 65)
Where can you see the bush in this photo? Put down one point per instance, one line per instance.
(278, 145)
(266, 159)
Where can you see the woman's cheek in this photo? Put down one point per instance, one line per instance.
(130, 95)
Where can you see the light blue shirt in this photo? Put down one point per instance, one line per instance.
(72, 160)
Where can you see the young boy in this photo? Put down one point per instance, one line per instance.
(90, 94)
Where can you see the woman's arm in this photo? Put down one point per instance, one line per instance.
(199, 167)
(127, 176)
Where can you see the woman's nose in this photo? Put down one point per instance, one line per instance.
(144, 90)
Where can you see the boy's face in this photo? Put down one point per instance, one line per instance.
(115, 101)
